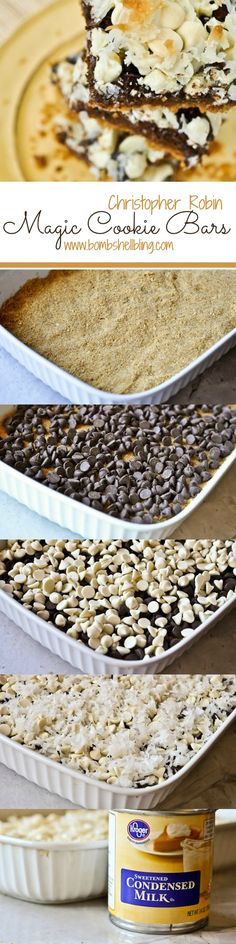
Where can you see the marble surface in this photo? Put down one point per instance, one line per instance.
(212, 782)
(18, 385)
(18, 521)
(23, 922)
(216, 516)
(215, 653)
(216, 385)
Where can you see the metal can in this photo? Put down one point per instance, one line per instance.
(160, 869)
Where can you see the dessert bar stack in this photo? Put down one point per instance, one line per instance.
(150, 90)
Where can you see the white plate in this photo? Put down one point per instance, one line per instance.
(88, 660)
(144, 847)
(75, 390)
(88, 522)
(87, 791)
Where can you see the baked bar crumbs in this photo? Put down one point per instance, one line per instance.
(123, 332)
(128, 731)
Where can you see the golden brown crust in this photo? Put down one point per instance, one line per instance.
(169, 140)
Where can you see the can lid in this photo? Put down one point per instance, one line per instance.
(178, 812)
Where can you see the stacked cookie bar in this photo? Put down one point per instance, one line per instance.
(151, 88)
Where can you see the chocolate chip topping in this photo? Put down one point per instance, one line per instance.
(140, 464)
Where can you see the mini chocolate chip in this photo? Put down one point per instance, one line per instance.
(167, 451)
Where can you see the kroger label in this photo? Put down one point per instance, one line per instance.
(138, 830)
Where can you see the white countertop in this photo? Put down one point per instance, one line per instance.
(18, 385)
(217, 384)
(26, 923)
(18, 521)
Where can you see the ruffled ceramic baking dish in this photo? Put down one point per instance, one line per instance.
(89, 792)
(89, 661)
(87, 522)
(53, 872)
(75, 390)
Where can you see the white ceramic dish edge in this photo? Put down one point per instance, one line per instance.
(89, 661)
(88, 523)
(52, 872)
(91, 793)
(75, 390)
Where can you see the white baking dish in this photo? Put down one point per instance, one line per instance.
(87, 791)
(75, 390)
(53, 872)
(88, 522)
(88, 660)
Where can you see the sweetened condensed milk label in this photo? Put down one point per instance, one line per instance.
(160, 868)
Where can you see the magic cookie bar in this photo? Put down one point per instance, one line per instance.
(111, 153)
(185, 134)
(159, 52)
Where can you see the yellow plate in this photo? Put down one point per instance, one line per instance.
(29, 103)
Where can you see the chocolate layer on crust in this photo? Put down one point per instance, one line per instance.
(147, 51)
(113, 154)
(185, 134)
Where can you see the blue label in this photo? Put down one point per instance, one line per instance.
(160, 890)
(138, 830)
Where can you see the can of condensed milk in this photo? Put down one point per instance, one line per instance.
(160, 869)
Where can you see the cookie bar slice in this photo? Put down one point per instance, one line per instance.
(156, 52)
(185, 134)
(111, 153)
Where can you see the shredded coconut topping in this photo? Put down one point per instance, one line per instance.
(167, 43)
(131, 731)
(84, 826)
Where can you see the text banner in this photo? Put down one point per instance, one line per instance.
(113, 223)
